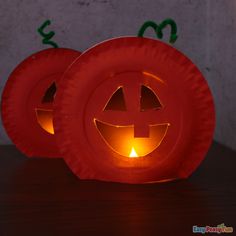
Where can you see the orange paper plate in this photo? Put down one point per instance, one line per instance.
(133, 110)
(27, 101)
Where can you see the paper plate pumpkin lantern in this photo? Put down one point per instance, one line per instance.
(27, 101)
(133, 110)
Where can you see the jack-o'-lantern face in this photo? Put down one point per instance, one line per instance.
(44, 112)
(137, 139)
(129, 115)
(133, 110)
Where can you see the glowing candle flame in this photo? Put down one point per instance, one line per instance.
(133, 153)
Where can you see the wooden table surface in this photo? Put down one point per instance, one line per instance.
(42, 197)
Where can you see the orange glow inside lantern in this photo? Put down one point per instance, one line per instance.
(133, 153)
(121, 139)
(152, 76)
(45, 116)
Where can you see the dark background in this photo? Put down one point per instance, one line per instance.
(42, 197)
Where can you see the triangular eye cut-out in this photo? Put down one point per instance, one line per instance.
(149, 99)
(50, 93)
(117, 101)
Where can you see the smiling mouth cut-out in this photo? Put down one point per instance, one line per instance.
(121, 138)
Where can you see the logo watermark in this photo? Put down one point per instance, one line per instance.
(212, 229)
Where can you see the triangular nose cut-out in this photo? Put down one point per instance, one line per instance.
(50, 93)
(149, 99)
(117, 101)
